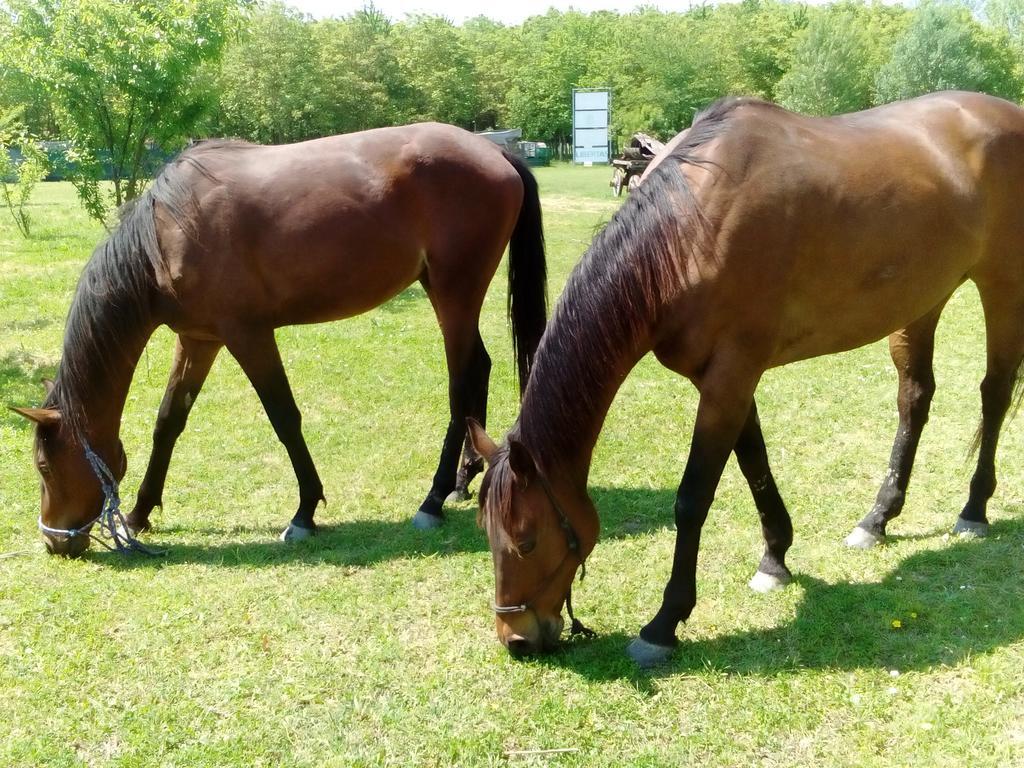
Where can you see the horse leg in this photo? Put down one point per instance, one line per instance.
(726, 400)
(776, 525)
(192, 361)
(468, 371)
(911, 349)
(260, 359)
(1005, 345)
(478, 377)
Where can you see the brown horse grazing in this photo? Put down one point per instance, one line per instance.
(762, 238)
(234, 240)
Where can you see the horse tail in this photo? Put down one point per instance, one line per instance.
(1016, 400)
(527, 275)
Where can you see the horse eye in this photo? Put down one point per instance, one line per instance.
(44, 468)
(527, 546)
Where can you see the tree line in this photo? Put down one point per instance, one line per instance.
(116, 77)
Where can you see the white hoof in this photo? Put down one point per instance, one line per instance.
(969, 528)
(458, 495)
(861, 539)
(426, 521)
(647, 655)
(297, 533)
(766, 582)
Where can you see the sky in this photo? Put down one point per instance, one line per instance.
(506, 11)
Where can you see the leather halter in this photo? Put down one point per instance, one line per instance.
(573, 547)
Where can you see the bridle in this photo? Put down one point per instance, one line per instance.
(572, 541)
(111, 521)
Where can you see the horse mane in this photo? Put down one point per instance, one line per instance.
(617, 290)
(495, 513)
(613, 295)
(114, 296)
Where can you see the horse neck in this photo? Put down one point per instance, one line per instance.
(570, 391)
(101, 351)
(102, 403)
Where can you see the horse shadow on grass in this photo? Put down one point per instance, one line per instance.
(938, 607)
(365, 542)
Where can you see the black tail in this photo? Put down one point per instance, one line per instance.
(527, 275)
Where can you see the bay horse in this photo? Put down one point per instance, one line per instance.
(760, 238)
(233, 240)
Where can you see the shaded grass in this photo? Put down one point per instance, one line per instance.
(372, 644)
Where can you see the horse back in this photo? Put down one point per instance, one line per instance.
(329, 228)
(829, 233)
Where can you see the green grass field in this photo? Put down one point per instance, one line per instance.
(373, 644)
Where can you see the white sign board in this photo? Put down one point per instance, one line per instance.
(591, 113)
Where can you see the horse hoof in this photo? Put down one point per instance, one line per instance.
(297, 533)
(766, 582)
(425, 521)
(459, 494)
(970, 528)
(647, 655)
(137, 526)
(862, 539)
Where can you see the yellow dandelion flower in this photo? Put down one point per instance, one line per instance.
(896, 624)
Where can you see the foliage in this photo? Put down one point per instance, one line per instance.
(762, 34)
(945, 47)
(363, 83)
(118, 75)
(287, 77)
(26, 174)
(83, 169)
(269, 87)
(439, 71)
(831, 70)
(492, 50)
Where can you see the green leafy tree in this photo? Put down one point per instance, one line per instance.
(439, 70)
(1007, 16)
(492, 48)
(363, 84)
(17, 180)
(119, 75)
(945, 47)
(766, 36)
(831, 71)
(666, 73)
(269, 85)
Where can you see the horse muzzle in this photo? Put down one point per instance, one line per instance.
(529, 635)
(66, 546)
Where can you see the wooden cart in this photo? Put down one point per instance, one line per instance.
(629, 167)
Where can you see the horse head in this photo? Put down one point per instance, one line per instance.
(73, 488)
(540, 532)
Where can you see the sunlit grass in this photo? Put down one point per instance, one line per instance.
(373, 644)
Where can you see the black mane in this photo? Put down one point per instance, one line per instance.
(114, 297)
(616, 292)
(112, 300)
(612, 297)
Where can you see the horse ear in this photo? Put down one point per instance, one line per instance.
(480, 439)
(41, 416)
(48, 385)
(521, 461)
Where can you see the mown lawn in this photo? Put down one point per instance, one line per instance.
(373, 644)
